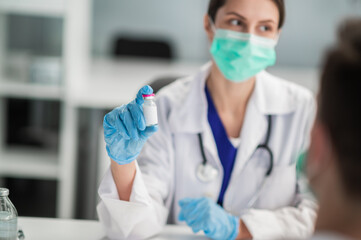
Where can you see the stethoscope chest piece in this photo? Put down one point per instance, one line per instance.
(206, 172)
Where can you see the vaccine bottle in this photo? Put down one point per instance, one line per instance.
(8, 217)
(150, 110)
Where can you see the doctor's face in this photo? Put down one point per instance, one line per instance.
(258, 17)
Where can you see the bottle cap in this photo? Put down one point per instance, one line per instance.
(148, 95)
(4, 192)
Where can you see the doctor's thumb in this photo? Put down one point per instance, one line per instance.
(144, 90)
(149, 131)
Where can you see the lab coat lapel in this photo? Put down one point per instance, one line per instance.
(205, 129)
(190, 114)
(268, 98)
(211, 147)
(193, 115)
(253, 133)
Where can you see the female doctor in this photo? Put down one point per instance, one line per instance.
(222, 158)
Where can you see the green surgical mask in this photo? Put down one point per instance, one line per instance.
(240, 56)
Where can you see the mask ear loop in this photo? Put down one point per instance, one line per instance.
(213, 27)
(277, 39)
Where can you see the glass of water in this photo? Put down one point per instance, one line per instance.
(8, 217)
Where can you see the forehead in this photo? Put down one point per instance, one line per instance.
(251, 9)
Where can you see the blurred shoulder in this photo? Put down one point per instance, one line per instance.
(285, 92)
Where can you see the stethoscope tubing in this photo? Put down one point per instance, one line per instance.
(264, 146)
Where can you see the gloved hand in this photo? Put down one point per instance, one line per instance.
(125, 131)
(204, 214)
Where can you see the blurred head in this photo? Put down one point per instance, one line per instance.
(259, 17)
(334, 160)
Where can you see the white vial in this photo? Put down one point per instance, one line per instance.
(150, 110)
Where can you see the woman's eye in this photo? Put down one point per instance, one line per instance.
(235, 22)
(265, 28)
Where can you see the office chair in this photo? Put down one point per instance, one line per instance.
(144, 48)
(161, 82)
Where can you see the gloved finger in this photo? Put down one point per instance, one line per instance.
(122, 130)
(114, 120)
(181, 216)
(185, 201)
(186, 210)
(196, 204)
(137, 114)
(189, 209)
(144, 90)
(130, 125)
(212, 233)
(198, 217)
(209, 232)
(197, 214)
(111, 118)
(198, 221)
(185, 215)
(184, 204)
(109, 129)
(200, 226)
(149, 131)
(196, 227)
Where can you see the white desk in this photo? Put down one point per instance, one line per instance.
(115, 82)
(61, 229)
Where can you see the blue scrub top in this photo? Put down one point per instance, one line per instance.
(226, 151)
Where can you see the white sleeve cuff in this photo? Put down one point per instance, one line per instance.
(284, 223)
(137, 219)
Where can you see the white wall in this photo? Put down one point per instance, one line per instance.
(180, 21)
(310, 28)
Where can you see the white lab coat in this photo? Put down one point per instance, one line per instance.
(166, 167)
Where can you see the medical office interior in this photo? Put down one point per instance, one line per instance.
(64, 64)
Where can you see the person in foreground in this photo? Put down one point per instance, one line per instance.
(223, 157)
(334, 160)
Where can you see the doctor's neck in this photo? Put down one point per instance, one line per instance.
(229, 95)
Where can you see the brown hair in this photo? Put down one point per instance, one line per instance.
(214, 5)
(340, 103)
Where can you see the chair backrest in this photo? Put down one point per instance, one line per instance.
(144, 48)
(161, 82)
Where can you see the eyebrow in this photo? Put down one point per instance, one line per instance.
(268, 21)
(245, 19)
(240, 16)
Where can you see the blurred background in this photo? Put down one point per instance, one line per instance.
(64, 64)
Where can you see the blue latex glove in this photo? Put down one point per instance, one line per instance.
(125, 131)
(204, 214)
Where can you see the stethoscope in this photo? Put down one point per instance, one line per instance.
(207, 173)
